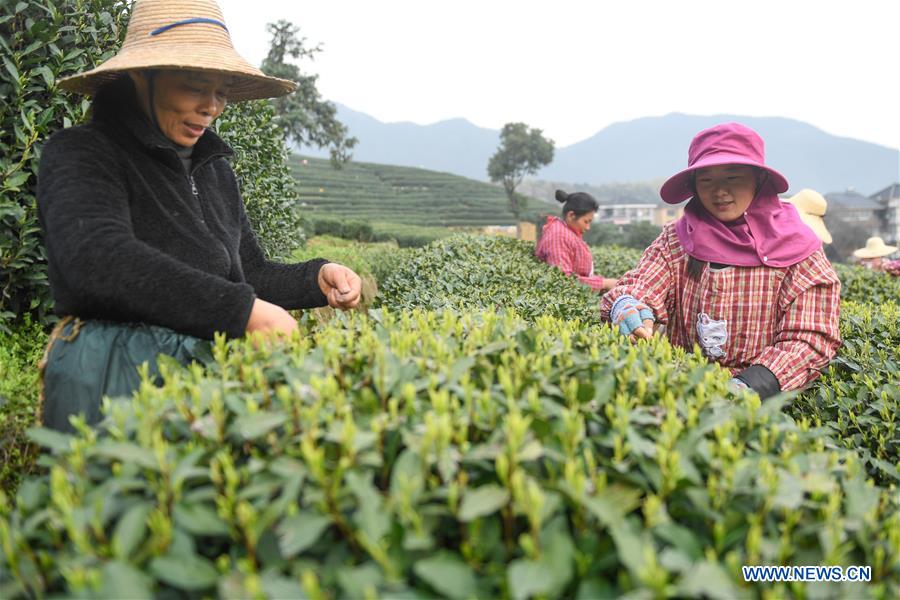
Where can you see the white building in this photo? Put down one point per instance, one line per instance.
(889, 199)
(624, 214)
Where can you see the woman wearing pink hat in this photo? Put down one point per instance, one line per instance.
(739, 274)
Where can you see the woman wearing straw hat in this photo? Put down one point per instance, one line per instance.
(149, 248)
(873, 256)
(739, 274)
(811, 206)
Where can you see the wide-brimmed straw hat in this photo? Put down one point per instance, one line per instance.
(181, 34)
(875, 248)
(811, 207)
(724, 144)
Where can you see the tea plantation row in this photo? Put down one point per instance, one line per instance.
(477, 434)
(395, 194)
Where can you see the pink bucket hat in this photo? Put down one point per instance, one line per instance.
(724, 144)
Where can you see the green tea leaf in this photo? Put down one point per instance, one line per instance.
(448, 574)
(54, 441)
(357, 582)
(199, 519)
(680, 537)
(789, 494)
(122, 580)
(482, 501)
(630, 544)
(127, 453)
(131, 530)
(370, 516)
(297, 533)
(47, 74)
(527, 578)
(276, 586)
(707, 579)
(191, 573)
(251, 427)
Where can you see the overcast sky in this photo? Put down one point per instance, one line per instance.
(572, 68)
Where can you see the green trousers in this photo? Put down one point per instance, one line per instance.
(87, 360)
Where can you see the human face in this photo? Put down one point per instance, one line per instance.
(186, 102)
(726, 191)
(876, 264)
(582, 223)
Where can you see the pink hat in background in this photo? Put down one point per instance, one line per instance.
(725, 144)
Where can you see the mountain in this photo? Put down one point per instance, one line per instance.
(642, 150)
(454, 146)
(656, 147)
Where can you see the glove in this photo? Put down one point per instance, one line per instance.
(736, 385)
(629, 313)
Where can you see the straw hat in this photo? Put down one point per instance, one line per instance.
(811, 206)
(875, 248)
(181, 34)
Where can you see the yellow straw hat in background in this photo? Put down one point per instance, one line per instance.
(811, 206)
(875, 248)
(181, 34)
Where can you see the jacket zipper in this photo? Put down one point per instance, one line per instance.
(196, 194)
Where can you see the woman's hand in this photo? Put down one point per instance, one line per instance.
(608, 284)
(267, 318)
(340, 285)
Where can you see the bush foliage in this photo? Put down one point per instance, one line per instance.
(462, 455)
(467, 272)
(348, 229)
(377, 260)
(388, 193)
(20, 351)
(404, 236)
(261, 167)
(615, 261)
(633, 235)
(479, 434)
(857, 399)
(40, 42)
(860, 284)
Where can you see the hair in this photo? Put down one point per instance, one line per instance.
(115, 96)
(580, 203)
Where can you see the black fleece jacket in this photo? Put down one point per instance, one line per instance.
(131, 236)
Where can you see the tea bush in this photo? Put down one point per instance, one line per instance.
(614, 261)
(261, 167)
(857, 399)
(403, 235)
(348, 229)
(20, 351)
(860, 284)
(372, 262)
(408, 236)
(459, 455)
(634, 235)
(40, 42)
(468, 272)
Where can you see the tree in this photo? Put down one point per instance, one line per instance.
(522, 152)
(306, 118)
(40, 42)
